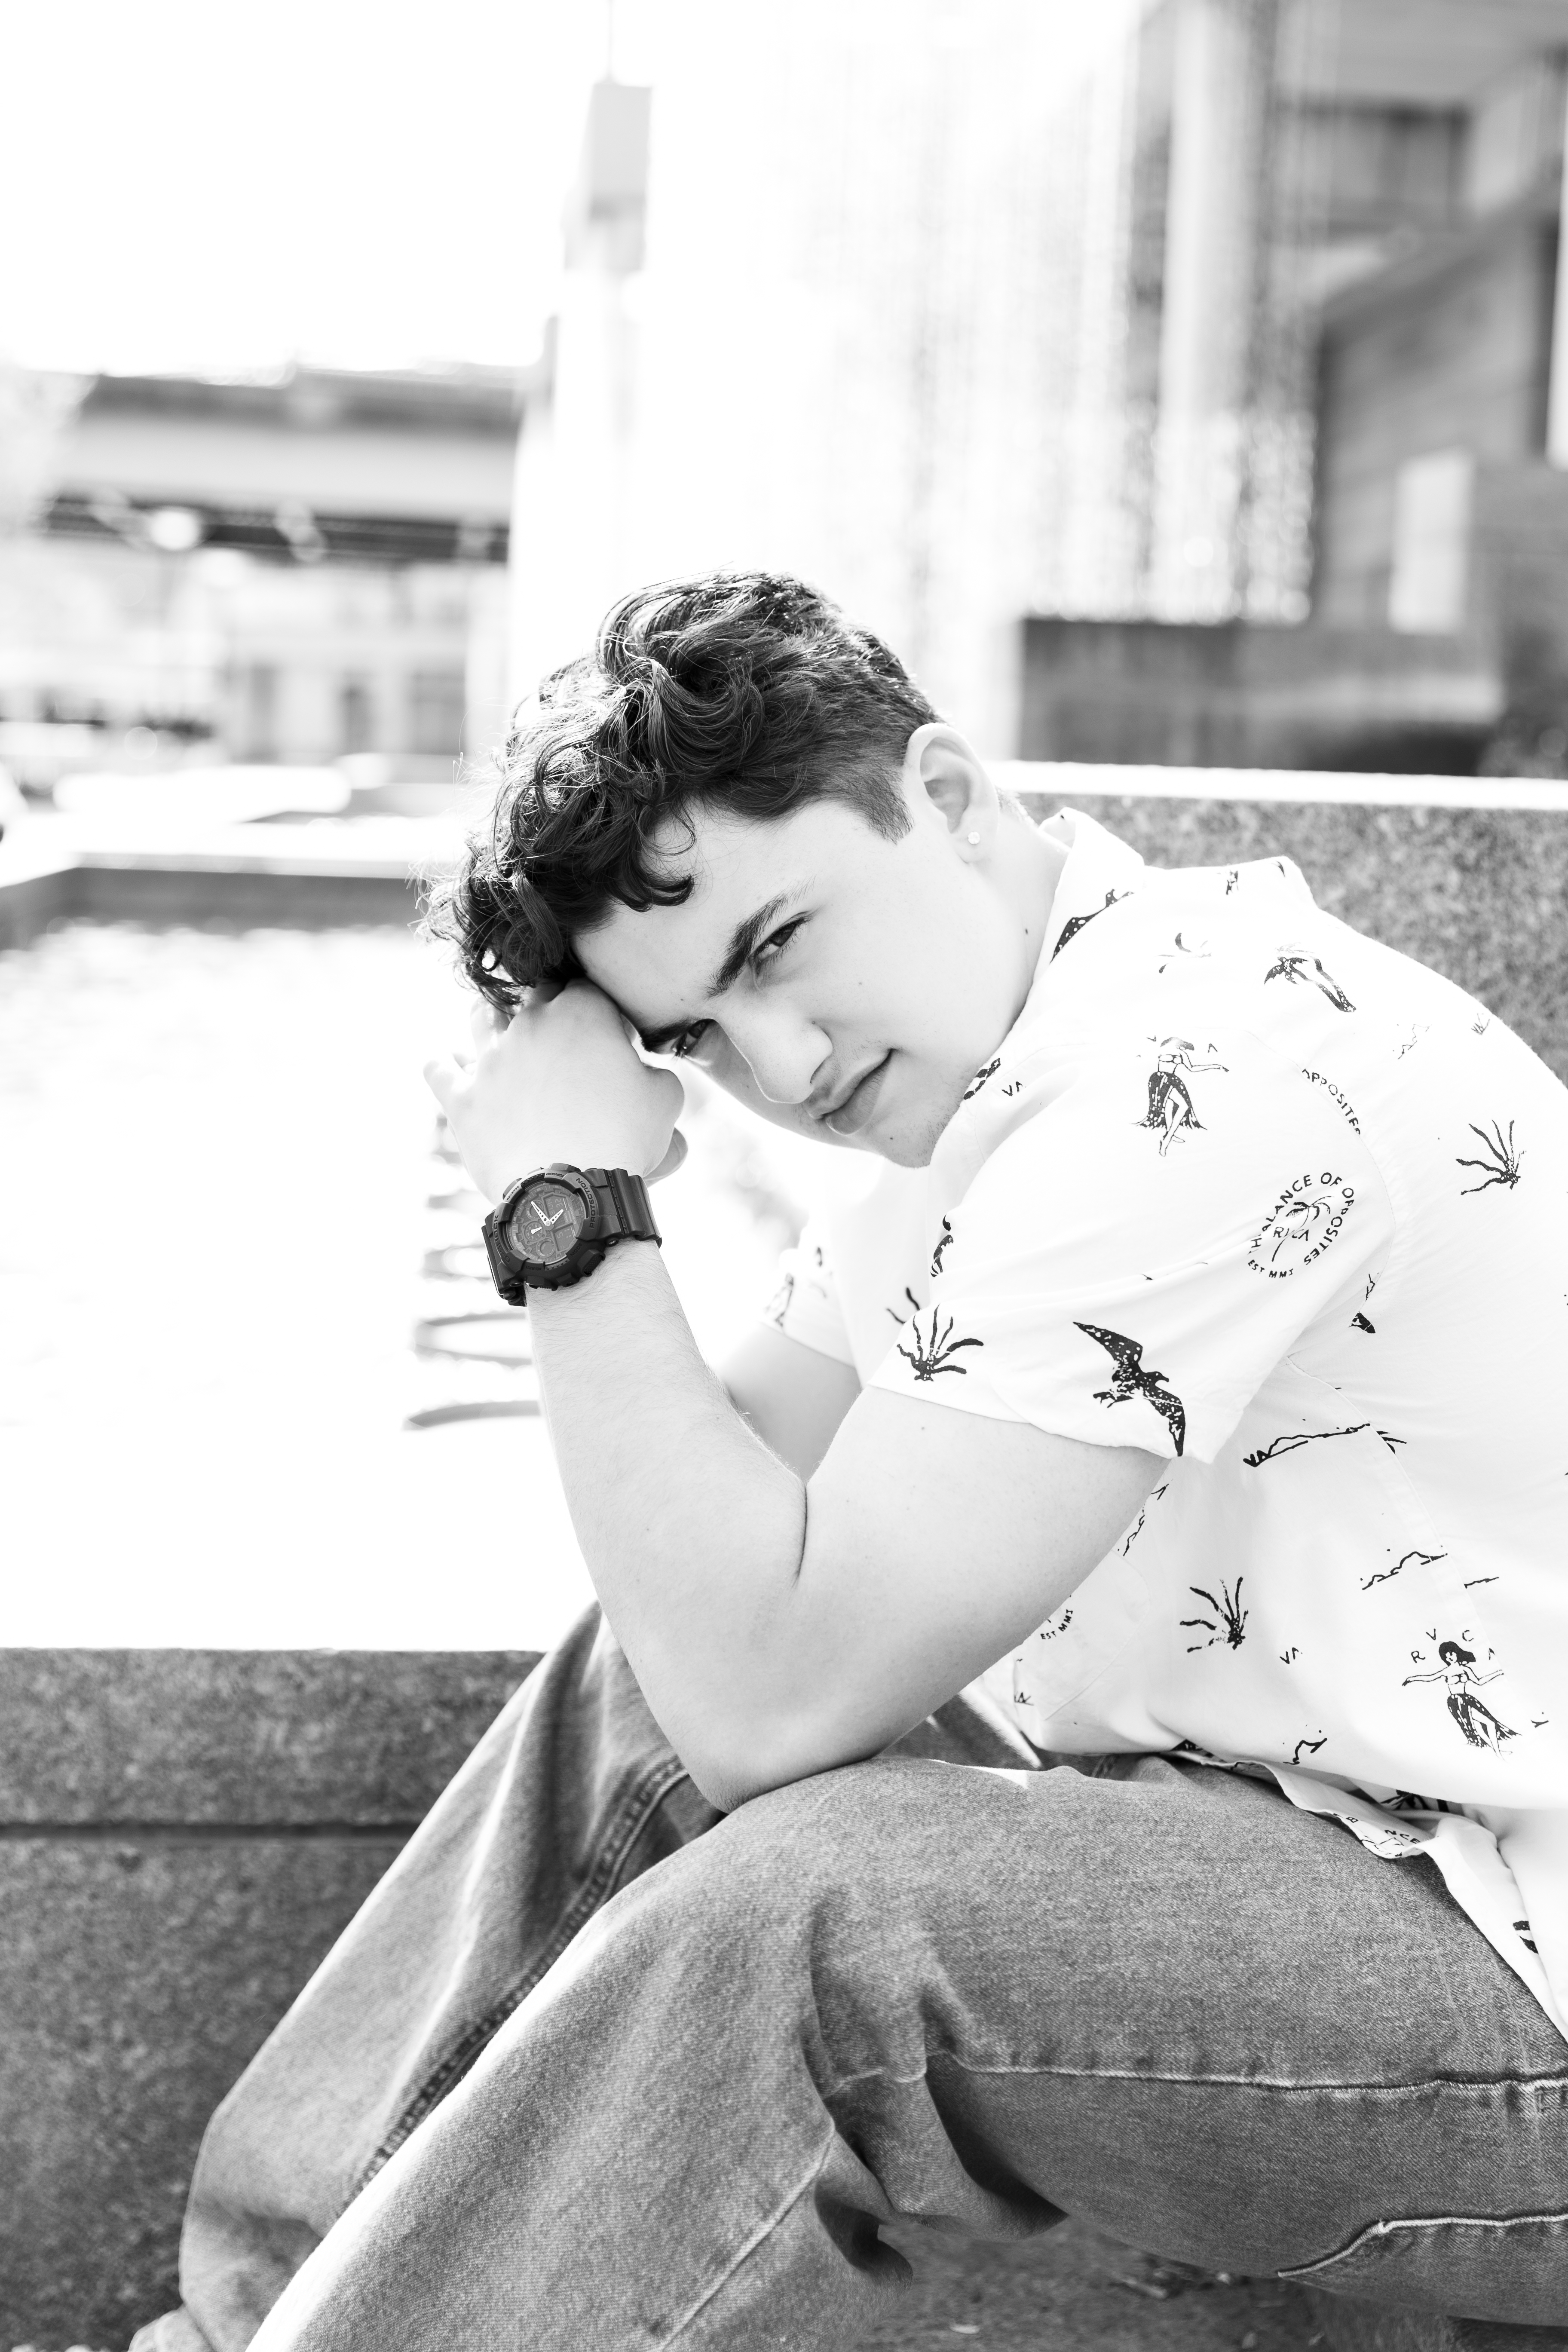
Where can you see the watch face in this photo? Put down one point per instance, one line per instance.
(546, 1221)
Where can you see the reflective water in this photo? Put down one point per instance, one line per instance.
(254, 1389)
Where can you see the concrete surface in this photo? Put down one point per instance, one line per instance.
(181, 1837)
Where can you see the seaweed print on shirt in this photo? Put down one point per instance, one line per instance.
(1130, 1380)
(1170, 1112)
(1499, 1162)
(1457, 1672)
(777, 1307)
(1228, 1623)
(1293, 965)
(934, 1354)
(1075, 923)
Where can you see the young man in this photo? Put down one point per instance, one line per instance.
(1198, 1356)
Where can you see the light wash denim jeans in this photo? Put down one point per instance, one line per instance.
(596, 2068)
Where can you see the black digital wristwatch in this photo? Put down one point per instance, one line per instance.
(551, 1228)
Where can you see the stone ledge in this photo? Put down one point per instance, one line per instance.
(130, 1741)
(182, 1835)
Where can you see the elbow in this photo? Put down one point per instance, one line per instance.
(738, 1763)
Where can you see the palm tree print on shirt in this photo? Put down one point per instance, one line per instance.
(934, 1354)
(1130, 1380)
(1500, 1160)
(1170, 1112)
(945, 1245)
(1475, 1718)
(1228, 1623)
(1293, 965)
(1075, 923)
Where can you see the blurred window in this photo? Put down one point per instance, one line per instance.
(1431, 543)
(353, 710)
(261, 711)
(436, 700)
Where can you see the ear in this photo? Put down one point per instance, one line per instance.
(945, 781)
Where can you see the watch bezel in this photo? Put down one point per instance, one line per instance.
(516, 1274)
(566, 1180)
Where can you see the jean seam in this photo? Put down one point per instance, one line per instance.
(763, 2231)
(1273, 2083)
(1388, 2226)
(624, 1825)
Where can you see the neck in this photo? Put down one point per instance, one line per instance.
(1028, 865)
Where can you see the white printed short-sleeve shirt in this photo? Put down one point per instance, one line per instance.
(1251, 1191)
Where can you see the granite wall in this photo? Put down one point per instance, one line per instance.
(182, 1834)
(1480, 895)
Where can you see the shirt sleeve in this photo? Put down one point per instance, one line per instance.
(1155, 1230)
(805, 1304)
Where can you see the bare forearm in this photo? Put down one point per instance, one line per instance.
(692, 1531)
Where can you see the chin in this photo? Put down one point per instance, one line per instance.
(909, 1143)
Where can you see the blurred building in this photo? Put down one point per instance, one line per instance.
(1176, 379)
(292, 570)
(1345, 396)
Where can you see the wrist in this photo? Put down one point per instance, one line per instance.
(495, 1178)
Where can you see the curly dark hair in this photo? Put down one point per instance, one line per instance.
(744, 691)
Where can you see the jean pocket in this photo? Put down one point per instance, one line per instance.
(1467, 2266)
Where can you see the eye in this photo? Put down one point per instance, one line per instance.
(774, 945)
(690, 1037)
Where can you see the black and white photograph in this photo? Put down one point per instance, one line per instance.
(784, 1176)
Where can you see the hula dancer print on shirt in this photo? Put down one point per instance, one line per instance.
(1170, 1112)
(934, 1354)
(1500, 1160)
(1294, 965)
(1457, 1672)
(1075, 923)
(1130, 1380)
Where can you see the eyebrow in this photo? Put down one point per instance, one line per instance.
(744, 940)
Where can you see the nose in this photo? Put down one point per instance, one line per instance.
(784, 1051)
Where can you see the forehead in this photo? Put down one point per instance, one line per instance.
(657, 963)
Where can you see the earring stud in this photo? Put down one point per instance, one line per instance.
(972, 839)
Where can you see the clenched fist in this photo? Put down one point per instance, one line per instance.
(560, 1081)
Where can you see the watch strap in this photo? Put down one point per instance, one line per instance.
(625, 1211)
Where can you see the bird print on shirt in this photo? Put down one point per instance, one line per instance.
(1075, 923)
(1293, 965)
(1130, 1380)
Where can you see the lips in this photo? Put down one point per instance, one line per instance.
(859, 1106)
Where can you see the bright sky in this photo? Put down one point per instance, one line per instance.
(369, 183)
